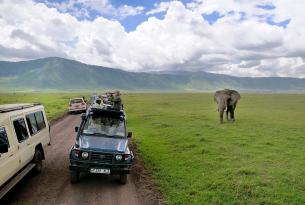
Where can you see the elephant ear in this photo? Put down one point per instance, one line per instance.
(221, 96)
(234, 97)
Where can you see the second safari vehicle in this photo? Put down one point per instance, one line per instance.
(101, 145)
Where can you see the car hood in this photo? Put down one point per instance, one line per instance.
(99, 143)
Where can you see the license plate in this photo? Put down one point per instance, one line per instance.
(100, 171)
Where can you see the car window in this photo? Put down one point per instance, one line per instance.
(76, 101)
(32, 123)
(104, 126)
(40, 120)
(35, 122)
(20, 129)
(3, 137)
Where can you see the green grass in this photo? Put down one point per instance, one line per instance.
(259, 159)
(56, 104)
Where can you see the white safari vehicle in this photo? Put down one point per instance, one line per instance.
(24, 132)
(77, 105)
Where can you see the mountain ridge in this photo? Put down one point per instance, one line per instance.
(56, 73)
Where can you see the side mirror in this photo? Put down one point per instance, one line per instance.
(129, 135)
(3, 148)
(76, 129)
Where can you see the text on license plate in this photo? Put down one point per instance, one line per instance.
(100, 171)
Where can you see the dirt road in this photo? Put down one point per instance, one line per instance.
(53, 186)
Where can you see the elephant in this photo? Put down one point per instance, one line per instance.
(227, 101)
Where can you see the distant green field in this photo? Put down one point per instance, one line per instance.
(55, 103)
(260, 159)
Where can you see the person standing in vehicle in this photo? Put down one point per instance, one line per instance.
(117, 101)
(98, 103)
(111, 98)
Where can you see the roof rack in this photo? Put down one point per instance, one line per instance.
(106, 112)
(20, 107)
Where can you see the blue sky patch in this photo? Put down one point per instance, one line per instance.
(266, 6)
(130, 23)
(212, 17)
(148, 5)
(282, 24)
(242, 16)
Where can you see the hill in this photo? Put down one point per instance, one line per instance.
(63, 74)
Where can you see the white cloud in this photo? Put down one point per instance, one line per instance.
(240, 43)
(82, 8)
(158, 8)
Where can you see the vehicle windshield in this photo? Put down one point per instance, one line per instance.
(76, 101)
(104, 126)
(92, 99)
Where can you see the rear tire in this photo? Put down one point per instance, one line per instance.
(123, 178)
(74, 176)
(37, 160)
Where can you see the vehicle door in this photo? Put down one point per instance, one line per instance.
(25, 151)
(38, 129)
(9, 160)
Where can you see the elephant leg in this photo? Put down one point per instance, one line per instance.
(232, 118)
(227, 114)
(221, 116)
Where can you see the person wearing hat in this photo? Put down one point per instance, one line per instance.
(117, 101)
(98, 103)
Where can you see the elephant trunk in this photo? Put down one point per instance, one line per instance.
(222, 106)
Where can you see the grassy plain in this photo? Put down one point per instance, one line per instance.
(56, 104)
(259, 159)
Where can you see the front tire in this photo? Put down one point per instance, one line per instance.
(74, 177)
(123, 178)
(37, 160)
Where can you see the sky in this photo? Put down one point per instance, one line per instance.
(256, 38)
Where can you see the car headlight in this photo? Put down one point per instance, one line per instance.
(85, 155)
(118, 157)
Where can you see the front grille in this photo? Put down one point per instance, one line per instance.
(101, 157)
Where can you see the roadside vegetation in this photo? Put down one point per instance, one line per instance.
(259, 159)
(56, 104)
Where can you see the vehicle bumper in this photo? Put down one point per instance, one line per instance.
(114, 169)
(77, 109)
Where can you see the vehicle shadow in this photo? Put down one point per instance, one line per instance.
(10, 197)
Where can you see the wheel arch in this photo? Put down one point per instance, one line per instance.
(40, 148)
